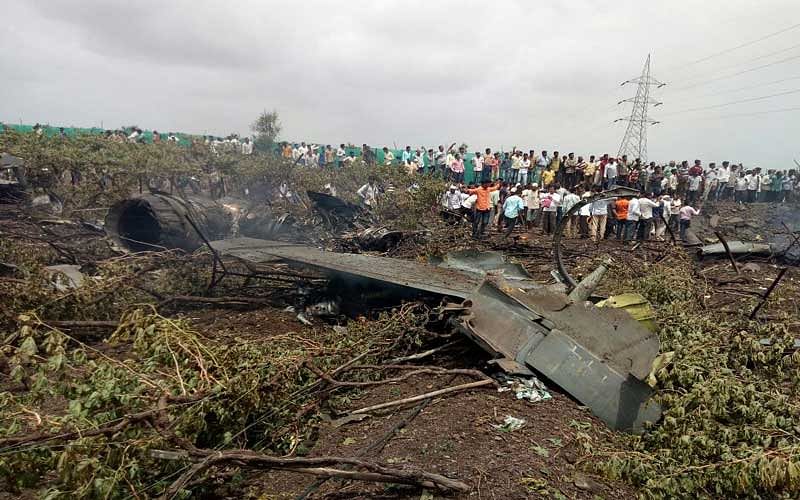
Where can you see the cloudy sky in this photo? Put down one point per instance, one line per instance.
(542, 75)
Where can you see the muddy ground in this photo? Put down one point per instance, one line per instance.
(454, 435)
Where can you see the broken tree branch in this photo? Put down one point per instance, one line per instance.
(414, 399)
(768, 292)
(82, 324)
(414, 371)
(318, 466)
(727, 251)
(424, 354)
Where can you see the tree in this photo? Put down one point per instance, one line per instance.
(266, 128)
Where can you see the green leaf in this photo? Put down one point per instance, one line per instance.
(542, 452)
(28, 347)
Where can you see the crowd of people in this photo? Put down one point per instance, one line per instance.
(626, 217)
(694, 183)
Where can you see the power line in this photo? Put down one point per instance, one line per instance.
(752, 86)
(740, 46)
(698, 84)
(754, 113)
(758, 58)
(689, 99)
(760, 98)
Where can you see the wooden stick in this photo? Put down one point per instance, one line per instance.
(319, 466)
(424, 354)
(414, 399)
(727, 251)
(768, 292)
(82, 324)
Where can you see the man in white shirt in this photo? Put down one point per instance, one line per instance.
(477, 167)
(610, 174)
(340, 154)
(550, 203)
(723, 174)
(599, 217)
(247, 146)
(693, 184)
(686, 214)
(369, 193)
(452, 198)
(570, 200)
(531, 198)
(646, 206)
(753, 184)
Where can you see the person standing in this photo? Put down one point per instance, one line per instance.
(621, 215)
(457, 169)
(623, 169)
(439, 166)
(686, 214)
(599, 217)
(516, 164)
(674, 213)
(533, 204)
(569, 200)
(555, 167)
(753, 184)
(369, 193)
(693, 187)
(406, 156)
(505, 168)
(429, 161)
(570, 169)
(611, 173)
(489, 166)
(723, 174)
(632, 220)
(549, 204)
(340, 154)
(388, 157)
(482, 207)
(542, 162)
(524, 168)
(452, 199)
(477, 167)
(658, 216)
(512, 210)
(589, 171)
(330, 155)
(646, 208)
(584, 214)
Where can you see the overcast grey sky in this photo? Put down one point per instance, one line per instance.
(542, 75)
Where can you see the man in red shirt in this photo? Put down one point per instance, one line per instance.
(482, 207)
(697, 169)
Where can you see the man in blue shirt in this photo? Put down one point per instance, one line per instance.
(512, 209)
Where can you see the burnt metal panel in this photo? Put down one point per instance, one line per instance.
(623, 402)
(404, 273)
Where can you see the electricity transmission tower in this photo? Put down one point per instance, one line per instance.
(634, 144)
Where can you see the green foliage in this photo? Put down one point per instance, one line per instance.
(730, 426)
(219, 393)
(110, 171)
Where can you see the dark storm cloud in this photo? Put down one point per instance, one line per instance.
(504, 73)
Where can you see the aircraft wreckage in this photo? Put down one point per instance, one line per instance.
(601, 356)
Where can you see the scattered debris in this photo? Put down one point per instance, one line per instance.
(517, 320)
(510, 424)
(530, 388)
(736, 248)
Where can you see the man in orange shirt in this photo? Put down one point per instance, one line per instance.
(621, 213)
(482, 207)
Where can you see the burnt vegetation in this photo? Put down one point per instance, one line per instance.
(144, 381)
